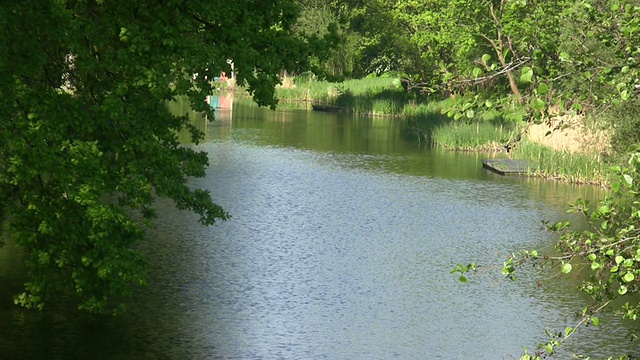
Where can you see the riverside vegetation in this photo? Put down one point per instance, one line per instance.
(513, 64)
(489, 132)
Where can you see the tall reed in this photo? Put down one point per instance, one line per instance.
(476, 136)
(564, 165)
(374, 95)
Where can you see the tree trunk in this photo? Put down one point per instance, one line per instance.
(513, 85)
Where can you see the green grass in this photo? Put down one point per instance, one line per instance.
(386, 96)
(312, 91)
(374, 96)
(475, 136)
(563, 165)
(424, 118)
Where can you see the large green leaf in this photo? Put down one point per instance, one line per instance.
(539, 104)
(527, 75)
(543, 89)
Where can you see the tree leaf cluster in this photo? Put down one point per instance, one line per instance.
(610, 247)
(87, 141)
(528, 59)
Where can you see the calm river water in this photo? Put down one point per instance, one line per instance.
(342, 236)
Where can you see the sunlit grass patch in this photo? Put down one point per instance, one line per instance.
(310, 91)
(476, 136)
(372, 96)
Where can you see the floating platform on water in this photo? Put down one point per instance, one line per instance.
(330, 108)
(509, 166)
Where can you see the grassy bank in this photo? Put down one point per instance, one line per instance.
(385, 96)
(474, 136)
(371, 96)
(563, 165)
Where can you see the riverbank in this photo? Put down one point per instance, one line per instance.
(376, 96)
(564, 149)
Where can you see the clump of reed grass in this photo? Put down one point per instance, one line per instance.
(390, 104)
(372, 85)
(423, 118)
(372, 96)
(564, 165)
(310, 91)
(474, 136)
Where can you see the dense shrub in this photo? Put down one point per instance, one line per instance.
(625, 119)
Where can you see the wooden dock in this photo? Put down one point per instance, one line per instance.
(509, 166)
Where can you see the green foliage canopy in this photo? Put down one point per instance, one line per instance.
(526, 58)
(85, 135)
